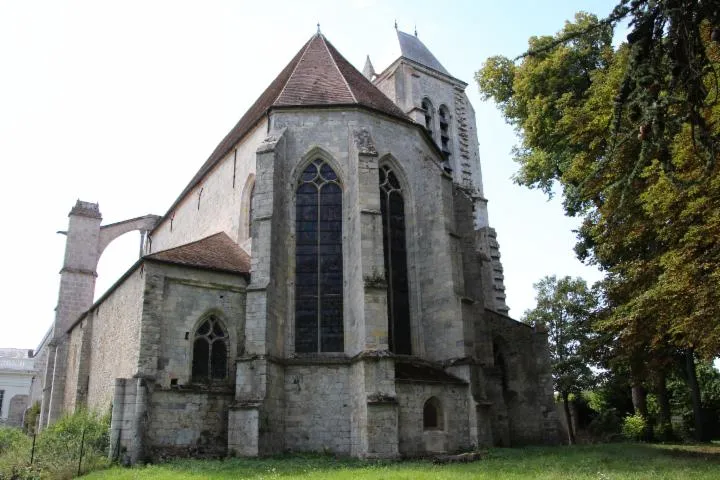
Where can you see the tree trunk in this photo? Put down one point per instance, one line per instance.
(568, 418)
(664, 404)
(639, 399)
(694, 394)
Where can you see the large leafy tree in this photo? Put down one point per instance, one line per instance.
(564, 306)
(631, 136)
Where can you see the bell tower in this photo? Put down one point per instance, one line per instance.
(419, 84)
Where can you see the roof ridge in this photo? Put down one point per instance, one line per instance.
(307, 47)
(334, 62)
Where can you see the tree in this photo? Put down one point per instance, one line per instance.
(564, 307)
(648, 195)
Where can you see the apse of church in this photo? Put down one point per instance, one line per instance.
(328, 281)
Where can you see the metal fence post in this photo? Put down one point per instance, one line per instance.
(32, 452)
(82, 444)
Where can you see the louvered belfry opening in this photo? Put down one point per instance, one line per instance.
(318, 261)
(392, 207)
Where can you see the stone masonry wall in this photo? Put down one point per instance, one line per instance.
(187, 301)
(454, 434)
(115, 340)
(523, 395)
(317, 408)
(436, 328)
(215, 204)
(183, 422)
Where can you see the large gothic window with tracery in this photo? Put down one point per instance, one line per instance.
(392, 207)
(318, 261)
(210, 351)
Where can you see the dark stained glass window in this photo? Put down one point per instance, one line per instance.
(318, 261)
(210, 351)
(392, 207)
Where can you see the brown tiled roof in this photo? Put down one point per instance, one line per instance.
(216, 252)
(316, 76)
(418, 371)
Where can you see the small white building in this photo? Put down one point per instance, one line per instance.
(16, 378)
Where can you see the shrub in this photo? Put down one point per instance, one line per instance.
(31, 418)
(634, 427)
(57, 449)
(14, 453)
(9, 437)
(606, 426)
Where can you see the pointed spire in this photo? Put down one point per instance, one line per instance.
(396, 24)
(318, 31)
(416, 30)
(368, 70)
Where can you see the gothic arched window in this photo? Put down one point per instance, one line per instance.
(392, 207)
(210, 351)
(318, 261)
(427, 106)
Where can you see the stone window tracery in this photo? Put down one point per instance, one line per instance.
(210, 351)
(392, 208)
(318, 261)
(432, 415)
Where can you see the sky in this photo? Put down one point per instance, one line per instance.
(120, 102)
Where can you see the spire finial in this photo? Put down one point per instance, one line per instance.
(416, 30)
(318, 25)
(396, 24)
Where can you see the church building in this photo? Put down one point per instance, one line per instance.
(327, 281)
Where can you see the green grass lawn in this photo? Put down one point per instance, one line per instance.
(614, 461)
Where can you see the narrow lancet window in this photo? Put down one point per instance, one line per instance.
(250, 212)
(427, 106)
(444, 115)
(318, 261)
(210, 351)
(392, 207)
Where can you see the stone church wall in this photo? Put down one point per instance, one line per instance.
(317, 408)
(185, 422)
(520, 385)
(454, 434)
(188, 296)
(214, 205)
(434, 302)
(114, 343)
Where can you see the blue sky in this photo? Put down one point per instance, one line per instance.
(121, 102)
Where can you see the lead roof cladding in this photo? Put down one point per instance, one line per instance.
(413, 49)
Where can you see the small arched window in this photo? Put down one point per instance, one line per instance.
(318, 261)
(210, 351)
(427, 106)
(432, 415)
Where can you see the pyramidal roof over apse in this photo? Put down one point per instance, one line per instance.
(318, 76)
(413, 49)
